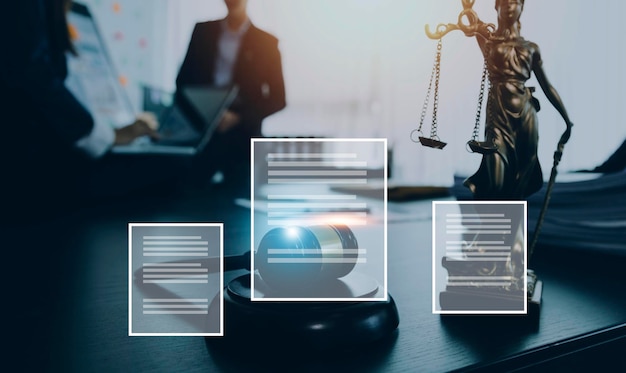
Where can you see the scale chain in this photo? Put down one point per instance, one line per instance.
(430, 85)
(426, 100)
(481, 96)
(433, 128)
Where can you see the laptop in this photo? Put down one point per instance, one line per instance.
(156, 100)
(177, 134)
(93, 80)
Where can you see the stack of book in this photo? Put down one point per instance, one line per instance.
(587, 215)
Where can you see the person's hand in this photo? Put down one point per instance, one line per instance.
(229, 120)
(146, 124)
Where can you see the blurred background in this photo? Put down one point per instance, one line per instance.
(360, 68)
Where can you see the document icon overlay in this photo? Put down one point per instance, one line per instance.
(479, 257)
(175, 279)
(319, 220)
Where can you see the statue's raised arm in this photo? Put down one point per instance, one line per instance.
(467, 22)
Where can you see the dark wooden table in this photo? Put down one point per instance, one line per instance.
(75, 315)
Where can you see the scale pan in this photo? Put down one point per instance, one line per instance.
(432, 143)
(482, 147)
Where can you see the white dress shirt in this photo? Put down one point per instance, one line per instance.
(227, 51)
(98, 141)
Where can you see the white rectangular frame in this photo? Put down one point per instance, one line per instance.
(130, 280)
(252, 209)
(434, 259)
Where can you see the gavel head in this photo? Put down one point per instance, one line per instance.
(292, 257)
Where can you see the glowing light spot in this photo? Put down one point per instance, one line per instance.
(292, 232)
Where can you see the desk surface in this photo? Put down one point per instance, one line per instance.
(85, 322)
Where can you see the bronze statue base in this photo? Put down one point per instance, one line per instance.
(534, 290)
(458, 298)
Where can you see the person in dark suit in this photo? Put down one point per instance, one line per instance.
(232, 51)
(51, 140)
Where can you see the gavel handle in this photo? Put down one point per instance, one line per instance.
(235, 262)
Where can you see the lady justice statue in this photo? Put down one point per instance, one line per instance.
(509, 169)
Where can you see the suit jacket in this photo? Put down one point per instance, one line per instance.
(257, 72)
(41, 120)
(33, 70)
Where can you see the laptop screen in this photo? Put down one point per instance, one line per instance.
(91, 75)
